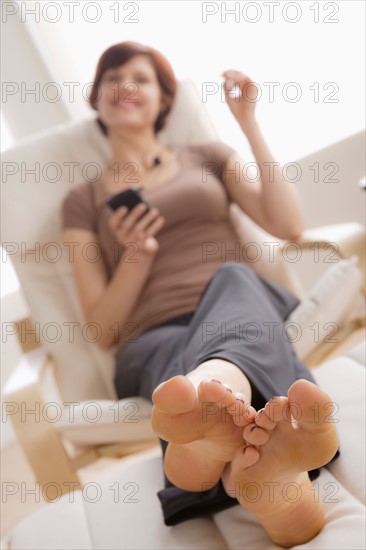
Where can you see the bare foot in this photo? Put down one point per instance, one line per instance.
(268, 474)
(203, 423)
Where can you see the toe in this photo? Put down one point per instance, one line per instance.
(277, 409)
(176, 395)
(241, 411)
(311, 407)
(254, 435)
(214, 391)
(245, 456)
(264, 421)
(250, 456)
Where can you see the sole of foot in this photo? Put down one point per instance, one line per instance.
(203, 425)
(268, 473)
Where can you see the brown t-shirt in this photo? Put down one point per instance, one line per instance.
(196, 239)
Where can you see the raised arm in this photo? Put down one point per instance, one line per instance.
(271, 201)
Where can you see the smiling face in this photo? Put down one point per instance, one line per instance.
(130, 96)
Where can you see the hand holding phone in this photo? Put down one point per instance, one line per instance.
(129, 197)
(135, 221)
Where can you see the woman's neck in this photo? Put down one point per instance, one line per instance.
(137, 150)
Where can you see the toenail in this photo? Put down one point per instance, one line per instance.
(228, 389)
(215, 380)
(250, 412)
(240, 399)
(275, 397)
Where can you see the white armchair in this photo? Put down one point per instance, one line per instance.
(66, 378)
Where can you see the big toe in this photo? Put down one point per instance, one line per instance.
(313, 410)
(176, 395)
(311, 407)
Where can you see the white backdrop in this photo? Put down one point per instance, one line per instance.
(318, 46)
(307, 58)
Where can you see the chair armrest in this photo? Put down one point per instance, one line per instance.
(51, 431)
(24, 404)
(28, 372)
(347, 239)
(32, 387)
(103, 422)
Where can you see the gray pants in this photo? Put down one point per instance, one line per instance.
(240, 318)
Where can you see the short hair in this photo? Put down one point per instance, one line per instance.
(120, 53)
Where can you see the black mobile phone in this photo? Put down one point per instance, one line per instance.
(129, 197)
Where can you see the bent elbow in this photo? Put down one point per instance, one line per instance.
(287, 235)
(98, 335)
(104, 344)
(294, 236)
(292, 233)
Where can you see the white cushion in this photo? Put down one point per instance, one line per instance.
(344, 380)
(122, 511)
(125, 515)
(37, 530)
(344, 528)
(358, 353)
(326, 307)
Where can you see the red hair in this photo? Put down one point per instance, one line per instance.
(120, 53)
